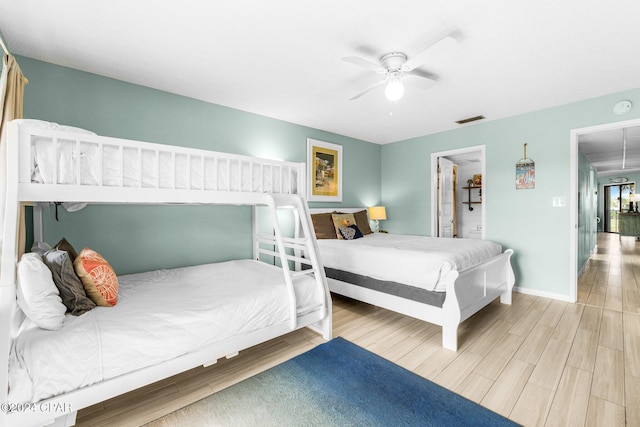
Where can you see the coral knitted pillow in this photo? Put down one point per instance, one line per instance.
(98, 278)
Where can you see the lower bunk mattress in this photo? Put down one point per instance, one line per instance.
(160, 315)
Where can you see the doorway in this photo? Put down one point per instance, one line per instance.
(451, 214)
(574, 225)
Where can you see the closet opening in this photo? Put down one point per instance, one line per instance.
(458, 192)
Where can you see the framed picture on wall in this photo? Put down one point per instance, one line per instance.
(324, 171)
(525, 174)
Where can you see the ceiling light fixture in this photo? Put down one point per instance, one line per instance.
(394, 89)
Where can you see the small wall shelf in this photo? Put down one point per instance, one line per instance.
(469, 199)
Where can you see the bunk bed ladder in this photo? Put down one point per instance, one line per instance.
(282, 254)
(305, 251)
(302, 250)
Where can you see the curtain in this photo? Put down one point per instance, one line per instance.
(12, 83)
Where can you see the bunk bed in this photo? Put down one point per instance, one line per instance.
(164, 322)
(439, 280)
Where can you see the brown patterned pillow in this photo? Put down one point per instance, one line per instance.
(342, 220)
(63, 245)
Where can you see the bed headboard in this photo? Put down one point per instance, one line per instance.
(344, 210)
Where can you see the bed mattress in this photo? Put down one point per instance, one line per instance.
(160, 315)
(419, 261)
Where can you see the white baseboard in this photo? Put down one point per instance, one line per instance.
(544, 294)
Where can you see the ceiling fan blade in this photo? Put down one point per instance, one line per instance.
(369, 89)
(364, 63)
(418, 81)
(434, 53)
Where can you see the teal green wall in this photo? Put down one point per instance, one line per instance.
(135, 238)
(398, 175)
(524, 220)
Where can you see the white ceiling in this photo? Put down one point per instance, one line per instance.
(613, 152)
(282, 59)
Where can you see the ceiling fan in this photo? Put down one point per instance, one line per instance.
(398, 69)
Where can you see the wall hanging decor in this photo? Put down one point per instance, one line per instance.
(324, 166)
(525, 172)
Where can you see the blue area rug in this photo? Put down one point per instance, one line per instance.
(336, 384)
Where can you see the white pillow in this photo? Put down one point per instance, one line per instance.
(38, 295)
(48, 157)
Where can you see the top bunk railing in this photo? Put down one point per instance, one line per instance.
(61, 157)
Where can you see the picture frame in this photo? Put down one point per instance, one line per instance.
(525, 174)
(324, 171)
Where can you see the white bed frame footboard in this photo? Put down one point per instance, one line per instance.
(468, 291)
(288, 194)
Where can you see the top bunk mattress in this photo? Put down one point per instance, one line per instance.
(71, 156)
(419, 261)
(160, 315)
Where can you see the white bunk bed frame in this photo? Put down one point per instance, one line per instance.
(61, 410)
(467, 292)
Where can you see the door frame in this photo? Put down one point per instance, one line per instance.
(434, 182)
(573, 195)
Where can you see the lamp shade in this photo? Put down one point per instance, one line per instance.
(377, 213)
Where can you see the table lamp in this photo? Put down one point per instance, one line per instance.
(376, 214)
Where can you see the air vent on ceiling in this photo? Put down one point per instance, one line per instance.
(470, 119)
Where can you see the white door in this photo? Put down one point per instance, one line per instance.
(445, 198)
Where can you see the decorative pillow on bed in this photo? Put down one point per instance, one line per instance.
(362, 221)
(98, 278)
(63, 245)
(342, 220)
(323, 225)
(72, 292)
(38, 296)
(350, 232)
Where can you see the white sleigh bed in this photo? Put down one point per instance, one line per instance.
(166, 321)
(441, 281)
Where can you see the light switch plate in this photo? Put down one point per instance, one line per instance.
(559, 201)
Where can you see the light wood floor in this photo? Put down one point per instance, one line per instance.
(539, 362)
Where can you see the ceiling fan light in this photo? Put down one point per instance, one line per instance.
(394, 90)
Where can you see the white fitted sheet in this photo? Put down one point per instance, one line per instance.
(419, 261)
(160, 315)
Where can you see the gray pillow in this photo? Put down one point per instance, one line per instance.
(67, 281)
